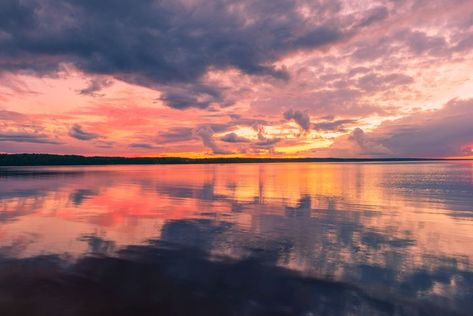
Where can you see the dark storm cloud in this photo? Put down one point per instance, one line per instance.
(26, 138)
(16, 14)
(77, 132)
(162, 43)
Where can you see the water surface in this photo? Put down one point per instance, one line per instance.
(242, 239)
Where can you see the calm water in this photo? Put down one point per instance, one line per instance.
(243, 239)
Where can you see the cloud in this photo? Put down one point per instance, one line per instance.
(95, 85)
(266, 143)
(437, 133)
(467, 151)
(77, 132)
(234, 138)
(366, 145)
(142, 146)
(197, 95)
(301, 118)
(21, 137)
(11, 116)
(374, 15)
(230, 65)
(373, 81)
(104, 144)
(337, 125)
(443, 132)
(168, 44)
(205, 133)
(355, 144)
(175, 135)
(421, 43)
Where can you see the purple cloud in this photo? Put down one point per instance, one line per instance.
(77, 132)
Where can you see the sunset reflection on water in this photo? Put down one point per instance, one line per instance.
(405, 228)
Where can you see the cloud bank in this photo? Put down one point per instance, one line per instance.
(250, 77)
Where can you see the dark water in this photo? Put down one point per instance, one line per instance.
(248, 239)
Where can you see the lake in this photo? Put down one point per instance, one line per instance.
(238, 239)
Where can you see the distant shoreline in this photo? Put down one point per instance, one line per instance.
(71, 160)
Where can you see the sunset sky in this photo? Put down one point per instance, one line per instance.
(315, 78)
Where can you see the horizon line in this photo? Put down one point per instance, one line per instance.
(33, 159)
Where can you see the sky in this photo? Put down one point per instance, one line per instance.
(204, 78)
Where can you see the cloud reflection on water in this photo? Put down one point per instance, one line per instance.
(388, 228)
